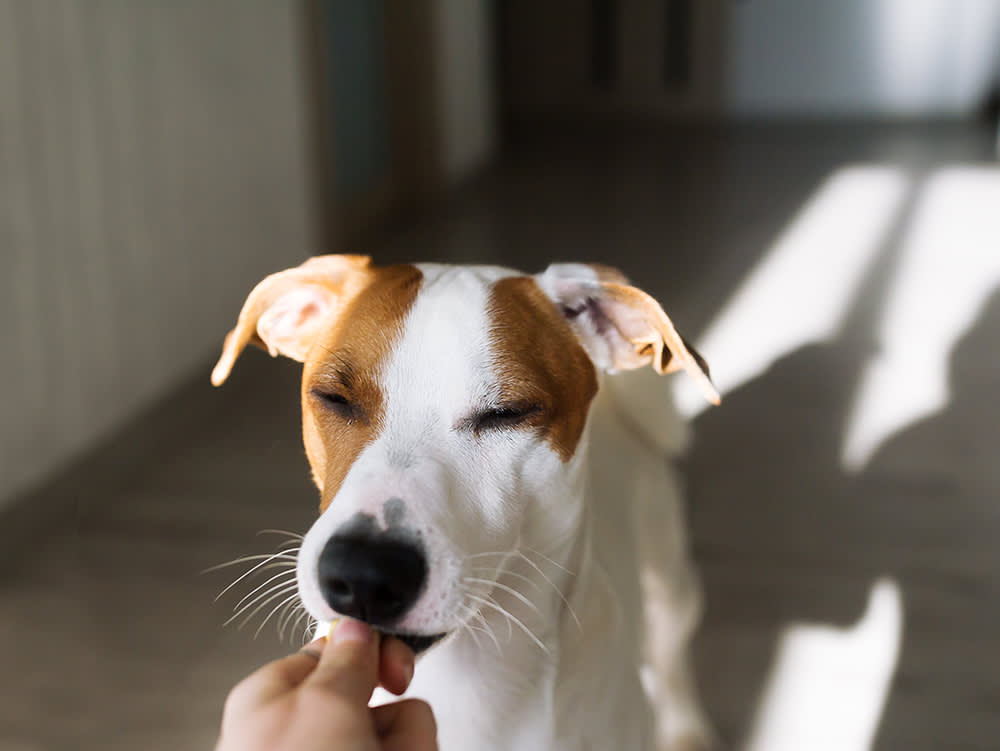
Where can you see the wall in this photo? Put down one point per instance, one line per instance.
(354, 45)
(868, 57)
(152, 169)
(760, 58)
(464, 59)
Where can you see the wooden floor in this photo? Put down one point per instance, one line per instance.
(109, 636)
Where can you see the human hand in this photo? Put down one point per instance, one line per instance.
(317, 699)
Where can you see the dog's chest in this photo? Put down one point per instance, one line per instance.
(482, 700)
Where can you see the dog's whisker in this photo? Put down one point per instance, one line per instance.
(519, 552)
(472, 632)
(289, 620)
(294, 619)
(273, 611)
(237, 581)
(285, 617)
(513, 618)
(489, 631)
(251, 609)
(490, 553)
(288, 575)
(311, 627)
(248, 558)
(508, 572)
(282, 565)
(261, 602)
(478, 611)
(468, 616)
(287, 558)
(508, 617)
(273, 589)
(558, 591)
(293, 535)
(305, 627)
(282, 612)
(509, 590)
(545, 558)
(269, 561)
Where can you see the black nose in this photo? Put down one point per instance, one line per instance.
(371, 578)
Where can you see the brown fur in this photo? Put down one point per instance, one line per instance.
(346, 360)
(540, 361)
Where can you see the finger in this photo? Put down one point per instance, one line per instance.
(273, 680)
(314, 649)
(407, 725)
(349, 664)
(395, 669)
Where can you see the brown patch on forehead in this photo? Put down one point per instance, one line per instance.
(346, 360)
(539, 361)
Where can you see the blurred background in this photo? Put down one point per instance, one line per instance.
(810, 187)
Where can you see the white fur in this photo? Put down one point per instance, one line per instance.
(587, 542)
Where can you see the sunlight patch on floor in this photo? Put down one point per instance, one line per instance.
(950, 265)
(828, 686)
(801, 290)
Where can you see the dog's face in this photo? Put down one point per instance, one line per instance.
(444, 412)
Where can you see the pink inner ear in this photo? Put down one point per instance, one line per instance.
(290, 324)
(622, 328)
(631, 323)
(309, 310)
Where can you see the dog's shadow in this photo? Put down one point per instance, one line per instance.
(783, 535)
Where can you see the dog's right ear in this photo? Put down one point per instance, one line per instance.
(284, 312)
(620, 326)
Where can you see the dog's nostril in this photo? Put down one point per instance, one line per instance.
(339, 587)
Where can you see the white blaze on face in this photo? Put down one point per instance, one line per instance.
(462, 492)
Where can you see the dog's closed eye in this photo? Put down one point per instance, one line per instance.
(337, 403)
(502, 417)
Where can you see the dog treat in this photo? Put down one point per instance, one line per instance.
(325, 629)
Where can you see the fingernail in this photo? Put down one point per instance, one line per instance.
(351, 630)
(315, 647)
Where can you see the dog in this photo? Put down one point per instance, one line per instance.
(492, 455)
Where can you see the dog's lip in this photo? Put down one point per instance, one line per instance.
(418, 642)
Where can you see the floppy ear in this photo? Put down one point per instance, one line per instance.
(620, 326)
(285, 311)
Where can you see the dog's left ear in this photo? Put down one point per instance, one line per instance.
(620, 326)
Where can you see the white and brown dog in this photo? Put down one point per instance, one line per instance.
(488, 491)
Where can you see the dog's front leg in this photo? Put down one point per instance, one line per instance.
(672, 603)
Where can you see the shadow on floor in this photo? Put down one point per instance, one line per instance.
(784, 536)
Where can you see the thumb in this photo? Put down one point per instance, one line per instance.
(349, 664)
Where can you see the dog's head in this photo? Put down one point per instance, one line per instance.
(443, 409)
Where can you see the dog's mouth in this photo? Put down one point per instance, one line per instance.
(419, 642)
